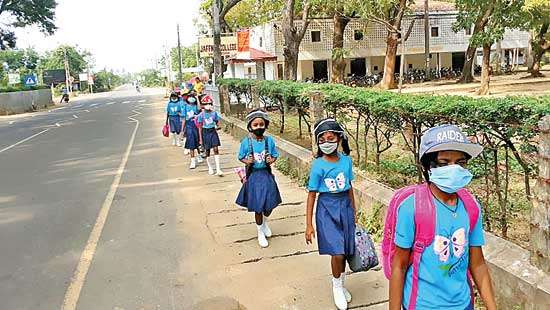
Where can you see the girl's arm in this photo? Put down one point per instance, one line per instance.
(352, 198)
(310, 231)
(482, 278)
(399, 265)
(167, 116)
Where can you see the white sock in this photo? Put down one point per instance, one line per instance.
(217, 160)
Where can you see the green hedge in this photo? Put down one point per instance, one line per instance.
(507, 127)
(12, 89)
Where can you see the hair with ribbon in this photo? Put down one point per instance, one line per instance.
(254, 114)
(331, 125)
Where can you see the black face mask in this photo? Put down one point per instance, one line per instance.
(258, 132)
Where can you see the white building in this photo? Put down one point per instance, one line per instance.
(366, 43)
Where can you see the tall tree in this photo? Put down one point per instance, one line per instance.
(22, 13)
(79, 60)
(388, 13)
(538, 20)
(293, 36)
(476, 13)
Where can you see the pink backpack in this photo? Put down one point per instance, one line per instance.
(424, 219)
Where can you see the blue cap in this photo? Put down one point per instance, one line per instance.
(447, 138)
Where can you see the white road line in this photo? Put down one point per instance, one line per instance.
(75, 116)
(11, 122)
(75, 287)
(87, 111)
(93, 105)
(111, 103)
(24, 140)
(77, 107)
(142, 101)
(57, 124)
(126, 101)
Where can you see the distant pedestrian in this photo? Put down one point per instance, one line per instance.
(433, 232)
(259, 193)
(173, 117)
(330, 178)
(208, 121)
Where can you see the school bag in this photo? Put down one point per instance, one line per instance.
(424, 221)
(365, 256)
(166, 130)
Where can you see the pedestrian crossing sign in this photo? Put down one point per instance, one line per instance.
(30, 80)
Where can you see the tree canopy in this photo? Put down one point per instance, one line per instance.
(22, 13)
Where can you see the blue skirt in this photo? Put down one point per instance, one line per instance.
(175, 124)
(260, 192)
(335, 221)
(210, 138)
(191, 135)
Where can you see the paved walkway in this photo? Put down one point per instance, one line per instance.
(224, 268)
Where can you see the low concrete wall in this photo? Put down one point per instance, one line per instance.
(25, 101)
(518, 284)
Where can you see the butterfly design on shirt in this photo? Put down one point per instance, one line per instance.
(174, 109)
(259, 157)
(443, 245)
(335, 184)
(208, 121)
(190, 114)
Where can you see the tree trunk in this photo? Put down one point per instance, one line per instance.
(479, 25)
(540, 45)
(388, 81)
(293, 38)
(217, 40)
(291, 62)
(338, 61)
(485, 70)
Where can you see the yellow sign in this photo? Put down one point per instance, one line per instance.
(228, 46)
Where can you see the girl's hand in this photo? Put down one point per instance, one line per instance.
(310, 234)
(356, 217)
(248, 161)
(269, 160)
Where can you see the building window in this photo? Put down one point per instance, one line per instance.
(410, 66)
(435, 32)
(358, 35)
(375, 68)
(468, 31)
(261, 41)
(316, 36)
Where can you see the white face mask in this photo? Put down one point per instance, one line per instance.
(208, 107)
(328, 147)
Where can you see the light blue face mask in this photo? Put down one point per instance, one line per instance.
(451, 178)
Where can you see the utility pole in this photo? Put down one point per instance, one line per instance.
(217, 40)
(67, 74)
(427, 37)
(180, 76)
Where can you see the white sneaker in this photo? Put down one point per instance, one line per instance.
(262, 241)
(178, 143)
(210, 171)
(186, 152)
(199, 159)
(265, 228)
(210, 168)
(219, 171)
(174, 139)
(193, 164)
(346, 292)
(338, 294)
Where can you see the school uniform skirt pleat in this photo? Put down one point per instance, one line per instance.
(210, 138)
(335, 219)
(175, 124)
(191, 135)
(260, 192)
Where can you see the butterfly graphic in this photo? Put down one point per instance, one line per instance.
(259, 157)
(208, 121)
(335, 184)
(190, 114)
(443, 244)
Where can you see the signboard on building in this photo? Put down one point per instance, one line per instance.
(83, 77)
(243, 41)
(14, 78)
(228, 45)
(54, 76)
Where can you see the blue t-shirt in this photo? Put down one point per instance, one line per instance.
(173, 108)
(328, 177)
(189, 111)
(258, 148)
(208, 119)
(442, 275)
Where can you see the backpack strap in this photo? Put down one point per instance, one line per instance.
(471, 206)
(424, 223)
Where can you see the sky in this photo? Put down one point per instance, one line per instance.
(121, 34)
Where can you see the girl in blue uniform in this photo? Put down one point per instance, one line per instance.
(208, 122)
(173, 114)
(259, 194)
(191, 132)
(330, 178)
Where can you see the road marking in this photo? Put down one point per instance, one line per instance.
(87, 111)
(126, 101)
(57, 124)
(142, 101)
(93, 105)
(11, 123)
(77, 107)
(77, 281)
(75, 116)
(24, 140)
(111, 103)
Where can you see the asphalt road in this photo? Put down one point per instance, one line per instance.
(58, 169)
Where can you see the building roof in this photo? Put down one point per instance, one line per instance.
(253, 55)
(435, 6)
